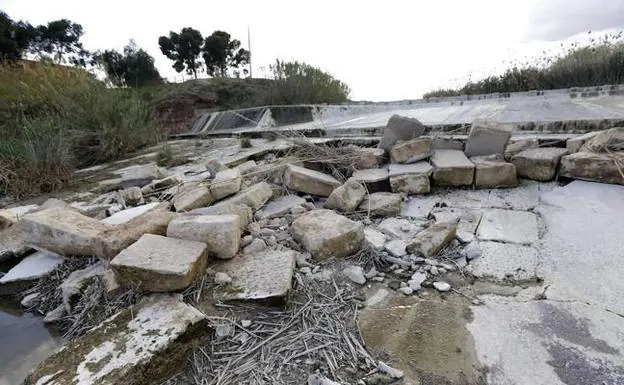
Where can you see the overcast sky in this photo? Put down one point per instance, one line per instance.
(384, 49)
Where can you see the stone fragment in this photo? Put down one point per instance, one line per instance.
(392, 372)
(368, 158)
(262, 276)
(193, 197)
(494, 173)
(254, 196)
(442, 143)
(222, 278)
(355, 274)
(400, 128)
(55, 315)
(505, 262)
(410, 179)
(472, 251)
(144, 344)
(382, 204)
(161, 264)
(242, 210)
(508, 226)
(72, 287)
(452, 168)
(605, 168)
(132, 196)
(396, 248)
(127, 215)
(400, 228)
(517, 146)
(28, 270)
(13, 243)
(247, 167)
(226, 183)
(411, 151)
(325, 234)
(29, 300)
(441, 286)
(64, 232)
(221, 233)
(574, 144)
(215, 166)
(160, 184)
(487, 138)
(433, 239)
(406, 290)
(256, 246)
(347, 197)
(139, 175)
(375, 179)
(279, 206)
(538, 163)
(373, 238)
(309, 181)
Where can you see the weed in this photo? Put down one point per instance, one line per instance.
(164, 156)
(245, 142)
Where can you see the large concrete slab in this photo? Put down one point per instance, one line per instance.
(220, 233)
(160, 264)
(309, 181)
(259, 276)
(144, 344)
(505, 262)
(605, 168)
(31, 268)
(538, 163)
(411, 151)
(280, 206)
(508, 226)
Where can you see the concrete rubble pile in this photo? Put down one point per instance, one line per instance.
(250, 238)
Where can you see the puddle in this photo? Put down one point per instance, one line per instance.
(24, 342)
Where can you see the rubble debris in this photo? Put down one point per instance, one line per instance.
(486, 138)
(254, 196)
(382, 204)
(247, 167)
(355, 274)
(410, 179)
(279, 206)
(472, 250)
(508, 226)
(160, 185)
(400, 128)
(141, 345)
(538, 164)
(222, 278)
(127, 215)
(605, 168)
(494, 172)
(452, 168)
(430, 241)
(214, 166)
(192, 197)
(131, 196)
(160, 264)
(325, 234)
(309, 181)
(256, 246)
(220, 233)
(347, 197)
(411, 151)
(258, 276)
(13, 243)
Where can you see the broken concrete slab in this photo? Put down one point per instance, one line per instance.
(517, 146)
(254, 196)
(279, 206)
(468, 219)
(494, 173)
(347, 197)
(574, 144)
(28, 270)
(144, 344)
(508, 226)
(13, 243)
(505, 262)
(398, 228)
(396, 248)
(400, 128)
(64, 232)
(124, 216)
(221, 233)
(452, 168)
(326, 234)
(247, 167)
(382, 204)
(410, 178)
(486, 138)
(160, 184)
(243, 211)
(538, 163)
(411, 151)
(160, 264)
(375, 179)
(605, 168)
(226, 183)
(611, 140)
(193, 197)
(309, 181)
(266, 275)
(441, 143)
(374, 239)
(432, 240)
(139, 175)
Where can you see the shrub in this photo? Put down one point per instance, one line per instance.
(245, 142)
(300, 83)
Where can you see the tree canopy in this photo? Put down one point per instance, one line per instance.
(221, 52)
(184, 49)
(133, 67)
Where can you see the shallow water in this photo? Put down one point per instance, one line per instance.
(24, 342)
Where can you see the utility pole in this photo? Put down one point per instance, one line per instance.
(249, 46)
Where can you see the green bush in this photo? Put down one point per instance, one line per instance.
(301, 83)
(56, 118)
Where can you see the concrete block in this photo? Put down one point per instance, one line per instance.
(504, 262)
(226, 183)
(382, 204)
(369, 158)
(432, 240)
(160, 264)
(243, 211)
(517, 146)
(538, 163)
(221, 233)
(410, 178)
(347, 197)
(192, 197)
(486, 138)
(493, 172)
(574, 145)
(254, 196)
(411, 151)
(452, 168)
(605, 168)
(508, 226)
(400, 128)
(28, 270)
(309, 181)
(280, 206)
(375, 179)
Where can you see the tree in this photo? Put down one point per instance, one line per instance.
(184, 49)
(220, 53)
(132, 68)
(60, 41)
(15, 38)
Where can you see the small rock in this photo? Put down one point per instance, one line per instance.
(371, 273)
(441, 270)
(308, 206)
(29, 300)
(245, 323)
(223, 331)
(392, 372)
(414, 285)
(305, 270)
(441, 286)
(464, 237)
(267, 232)
(403, 285)
(254, 229)
(256, 246)
(355, 274)
(271, 241)
(399, 271)
(54, 315)
(316, 269)
(378, 279)
(297, 210)
(434, 270)
(472, 251)
(447, 267)
(406, 290)
(247, 239)
(476, 302)
(222, 279)
(302, 260)
(394, 284)
(396, 248)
